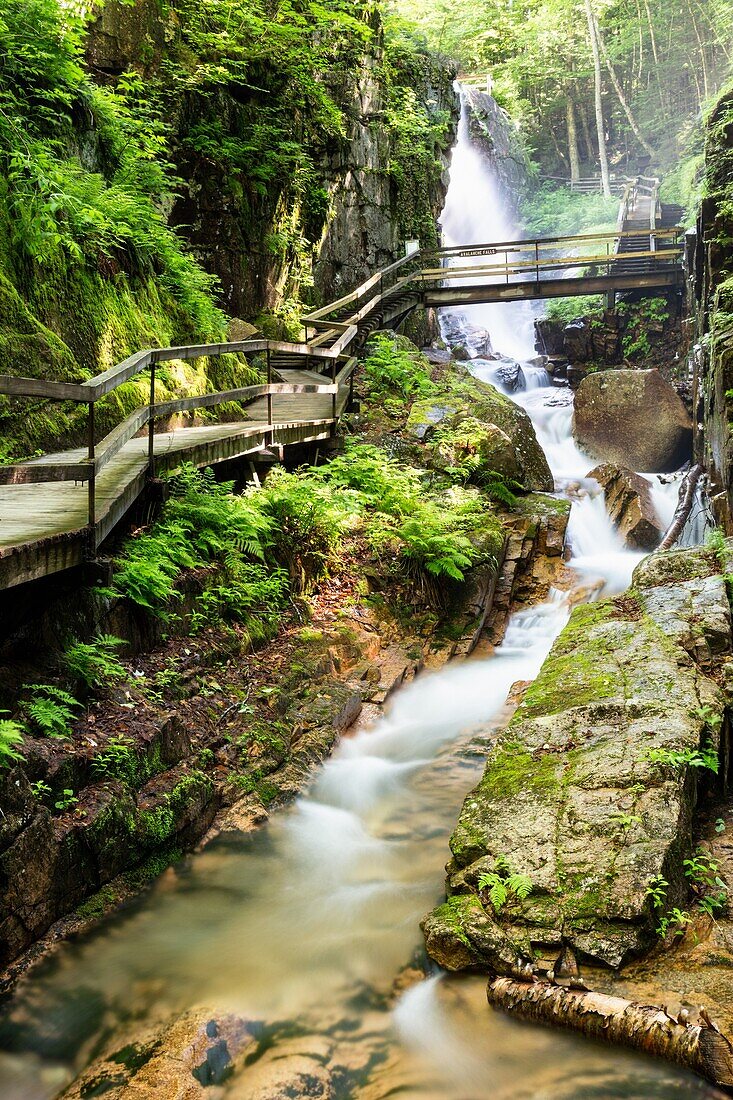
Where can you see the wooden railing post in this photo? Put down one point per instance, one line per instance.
(269, 383)
(151, 424)
(92, 483)
(333, 395)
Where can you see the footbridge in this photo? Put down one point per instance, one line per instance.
(57, 510)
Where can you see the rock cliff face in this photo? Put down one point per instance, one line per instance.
(272, 244)
(494, 134)
(583, 793)
(710, 256)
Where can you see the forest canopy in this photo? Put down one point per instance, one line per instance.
(658, 62)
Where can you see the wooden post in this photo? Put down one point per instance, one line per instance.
(92, 483)
(151, 424)
(334, 395)
(537, 260)
(269, 383)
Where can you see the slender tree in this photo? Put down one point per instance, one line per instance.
(598, 90)
(573, 154)
(620, 93)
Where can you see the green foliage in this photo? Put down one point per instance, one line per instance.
(657, 891)
(253, 595)
(40, 790)
(674, 922)
(66, 801)
(437, 536)
(395, 369)
(57, 209)
(550, 211)
(504, 885)
(118, 760)
(432, 545)
(95, 663)
(564, 310)
(704, 757)
(201, 523)
(703, 872)
(306, 524)
(50, 710)
(11, 735)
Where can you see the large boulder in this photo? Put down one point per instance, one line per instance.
(629, 504)
(587, 794)
(469, 423)
(633, 419)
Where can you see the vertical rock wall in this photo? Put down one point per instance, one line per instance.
(710, 263)
(279, 243)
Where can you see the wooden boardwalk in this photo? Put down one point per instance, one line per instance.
(55, 511)
(44, 526)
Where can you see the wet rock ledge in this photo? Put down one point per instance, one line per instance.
(581, 794)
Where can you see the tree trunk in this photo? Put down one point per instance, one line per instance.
(622, 98)
(587, 136)
(684, 506)
(573, 153)
(615, 1020)
(701, 48)
(600, 128)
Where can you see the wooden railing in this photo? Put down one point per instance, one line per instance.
(99, 453)
(521, 259)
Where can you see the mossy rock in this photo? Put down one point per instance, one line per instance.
(570, 795)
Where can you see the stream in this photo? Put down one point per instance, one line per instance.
(304, 925)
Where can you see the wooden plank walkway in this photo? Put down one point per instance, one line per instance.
(44, 526)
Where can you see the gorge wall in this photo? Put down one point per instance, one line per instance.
(182, 173)
(711, 296)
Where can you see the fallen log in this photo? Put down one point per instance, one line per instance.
(699, 1047)
(684, 506)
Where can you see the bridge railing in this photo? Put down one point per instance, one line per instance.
(531, 259)
(337, 323)
(99, 453)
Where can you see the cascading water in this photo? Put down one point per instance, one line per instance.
(304, 925)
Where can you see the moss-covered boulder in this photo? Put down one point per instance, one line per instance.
(468, 424)
(589, 793)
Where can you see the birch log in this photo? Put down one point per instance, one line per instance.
(615, 1020)
(684, 506)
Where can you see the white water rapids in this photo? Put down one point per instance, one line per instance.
(304, 925)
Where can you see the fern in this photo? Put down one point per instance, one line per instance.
(503, 884)
(50, 709)
(95, 663)
(11, 735)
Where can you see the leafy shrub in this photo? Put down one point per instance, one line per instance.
(565, 310)
(376, 480)
(118, 760)
(253, 596)
(201, 523)
(95, 663)
(307, 522)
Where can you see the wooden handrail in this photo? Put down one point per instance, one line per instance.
(360, 291)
